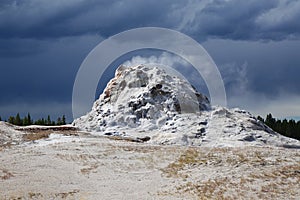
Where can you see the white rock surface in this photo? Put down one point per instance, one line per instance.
(142, 96)
(9, 135)
(145, 101)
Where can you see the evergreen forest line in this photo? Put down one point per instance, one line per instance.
(27, 120)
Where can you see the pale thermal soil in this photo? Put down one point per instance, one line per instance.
(81, 166)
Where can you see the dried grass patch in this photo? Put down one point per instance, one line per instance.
(190, 157)
(38, 195)
(240, 173)
(5, 174)
(36, 136)
(76, 157)
(90, 169)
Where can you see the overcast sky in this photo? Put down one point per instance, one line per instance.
(255, 44)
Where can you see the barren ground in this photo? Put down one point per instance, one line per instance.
(87, 167)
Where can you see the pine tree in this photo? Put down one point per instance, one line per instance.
(41, 121)
(11, 120)
(291, 130)
(48, 121)
(284, 126)
(25, 121)
(38, 122)
(18, 120)
(29, 119)
(298, 131)
(270, 121)
(260, 119)
(58, 121)
(0, 118)
(63, 120)
(278, 126)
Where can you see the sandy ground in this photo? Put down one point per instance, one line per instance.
(88, 167)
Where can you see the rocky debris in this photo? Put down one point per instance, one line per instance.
(34, 128)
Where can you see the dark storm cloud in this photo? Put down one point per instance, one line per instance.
(242, 20)
(40, 19)
(255, 44)
(48, 74)
(231, 19)
(260, 77)
(268, 68)
(15, 47)
(45, 77)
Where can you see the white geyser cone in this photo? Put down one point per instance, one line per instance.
(142, 95)
(144, 101)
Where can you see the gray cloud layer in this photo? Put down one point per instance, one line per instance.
(230, 19)
(255, 44)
